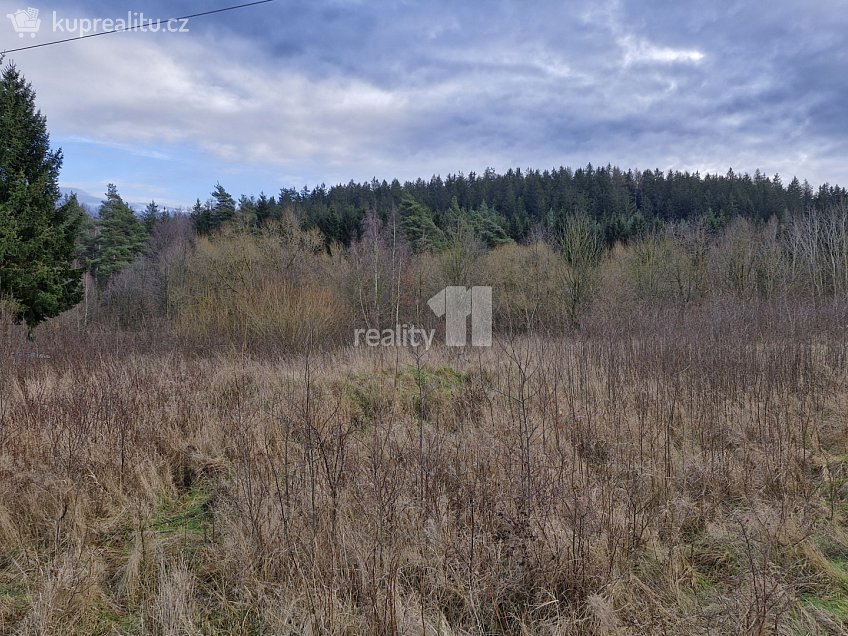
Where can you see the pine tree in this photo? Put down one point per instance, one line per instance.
(421, 231)
(488, 227)
(87, 241)
(223, 206)
(38, 235)
(264, 209)
(215, 213)
(246, 217)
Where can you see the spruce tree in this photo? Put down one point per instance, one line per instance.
(201, 217)
(218, 211)
(121, 236)
(38, 235)
(152, 215)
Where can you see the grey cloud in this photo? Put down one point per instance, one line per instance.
(358, 89)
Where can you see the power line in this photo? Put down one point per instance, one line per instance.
(137, 26)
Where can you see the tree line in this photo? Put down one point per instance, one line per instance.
(49, 243)
(624, 204)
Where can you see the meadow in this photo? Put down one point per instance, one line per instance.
(655, 444)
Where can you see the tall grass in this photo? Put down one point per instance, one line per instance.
(684, 475)
(656, 444)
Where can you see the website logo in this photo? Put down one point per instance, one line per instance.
(25, 21)
(456, 305)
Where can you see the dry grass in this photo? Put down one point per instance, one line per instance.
(688, 477)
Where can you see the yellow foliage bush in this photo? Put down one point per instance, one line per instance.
(256, 290)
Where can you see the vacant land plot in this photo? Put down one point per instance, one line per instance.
(683, 481)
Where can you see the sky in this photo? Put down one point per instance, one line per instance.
(295, 93)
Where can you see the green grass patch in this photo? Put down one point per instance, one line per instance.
(703, 584)
(442, 390)
(836, 557)
(189, 513)
(373, 395)
(13, 590)
(836, 605)
(112, 621)
(15, 598)
(444, 378)
(368, 398)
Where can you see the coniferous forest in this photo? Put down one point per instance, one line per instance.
(624, 204)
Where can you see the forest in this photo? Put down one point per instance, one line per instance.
(624, 204)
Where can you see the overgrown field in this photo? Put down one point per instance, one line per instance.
(687, 478)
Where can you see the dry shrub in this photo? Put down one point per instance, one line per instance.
(260, 291)
(528, 283)
(282, 287)
(668, 267)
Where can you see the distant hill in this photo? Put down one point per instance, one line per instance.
(90, 201)
(93, 202)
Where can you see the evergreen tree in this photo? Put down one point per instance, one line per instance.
(121, 236)
(622, 204)
(201, 217)
(87, 241)
(38, 236)
(151, 216)
(488, 227)
(220, 209)
(246, 217)
(223, 206)
(264, 209)
(421, 231)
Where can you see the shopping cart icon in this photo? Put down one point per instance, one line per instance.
(25, 21)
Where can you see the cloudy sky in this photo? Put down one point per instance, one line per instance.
(297, 93)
